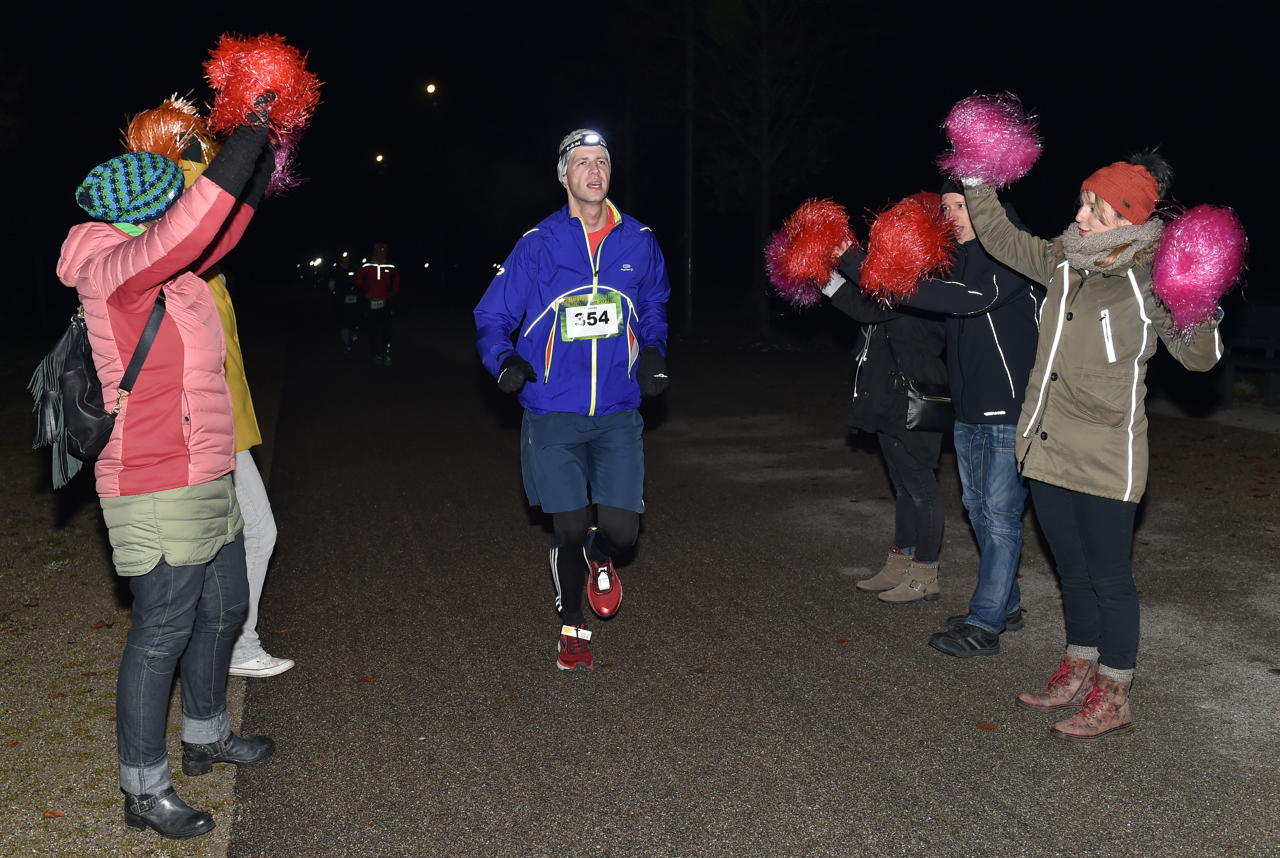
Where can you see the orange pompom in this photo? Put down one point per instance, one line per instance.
(168, 130)
(907, 242)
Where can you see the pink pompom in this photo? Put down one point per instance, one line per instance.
(992, 139)
(283, 177)
(1200, 257)
(907, 242)
(797, 293)
(803, 255)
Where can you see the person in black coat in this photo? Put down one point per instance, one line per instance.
(894, 346)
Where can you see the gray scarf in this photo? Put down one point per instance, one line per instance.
(1082, 252)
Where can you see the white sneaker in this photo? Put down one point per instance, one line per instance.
(263, 665)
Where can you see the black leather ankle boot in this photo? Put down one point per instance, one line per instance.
(167, 814)
(198, 759)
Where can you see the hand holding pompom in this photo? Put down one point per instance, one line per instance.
(262, 79)
(1200, 257)
(992, 141)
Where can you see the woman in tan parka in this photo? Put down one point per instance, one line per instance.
(1082, 435)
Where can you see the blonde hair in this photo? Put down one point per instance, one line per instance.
(1111, 217)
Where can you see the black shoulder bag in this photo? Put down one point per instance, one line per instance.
(929, 407)
(70, 414)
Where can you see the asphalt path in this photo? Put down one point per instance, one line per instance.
(747, 701)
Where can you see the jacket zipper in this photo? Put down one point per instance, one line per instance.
(595, 283)
(1106, 336)
(867, 331)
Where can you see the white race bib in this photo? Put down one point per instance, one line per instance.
(591, 316)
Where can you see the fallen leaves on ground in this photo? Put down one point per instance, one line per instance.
(53, 814)
(986, 725)
(369, 678)
(103, 624)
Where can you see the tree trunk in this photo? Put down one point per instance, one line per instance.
(766, 159)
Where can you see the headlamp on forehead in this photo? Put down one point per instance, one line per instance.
(580, 137)
(583, 138)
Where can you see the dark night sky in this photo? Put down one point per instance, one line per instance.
(470, 169)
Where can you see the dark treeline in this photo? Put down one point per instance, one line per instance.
(781, 99)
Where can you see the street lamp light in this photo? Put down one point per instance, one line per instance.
(431, 88)
(378, 159)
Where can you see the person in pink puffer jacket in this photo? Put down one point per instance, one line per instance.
(164, 478)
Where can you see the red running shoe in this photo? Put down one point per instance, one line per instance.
(575, 649)
(604, 589)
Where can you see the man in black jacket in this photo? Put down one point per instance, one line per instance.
(993, 325)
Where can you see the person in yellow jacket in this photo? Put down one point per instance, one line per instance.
(248, 658)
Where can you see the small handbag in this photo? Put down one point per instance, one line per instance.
(929, 407)
(71, 416)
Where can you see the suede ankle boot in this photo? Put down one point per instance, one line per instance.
(920, 582)
(1068, 687)
(1105, 713)
(895, 569)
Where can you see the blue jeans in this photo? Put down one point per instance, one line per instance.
(187, 614)
(995, 495)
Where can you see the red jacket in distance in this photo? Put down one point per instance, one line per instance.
(378, 281)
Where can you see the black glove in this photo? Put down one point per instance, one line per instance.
(261, 115)
(231, 168)
(514, 373)
(262, 170)
(851, 264)
(652, 372)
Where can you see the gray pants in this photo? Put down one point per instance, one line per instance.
(259, 542)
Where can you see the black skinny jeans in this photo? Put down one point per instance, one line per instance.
(1092, 540)
(918, 517)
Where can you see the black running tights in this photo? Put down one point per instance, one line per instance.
(618, 530)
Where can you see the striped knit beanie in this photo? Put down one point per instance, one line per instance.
(132, 188)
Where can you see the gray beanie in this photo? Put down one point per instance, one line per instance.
(574, 139)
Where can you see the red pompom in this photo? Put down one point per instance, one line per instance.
(932, 202)
(907, 242)
(240, 70)
(801, 256)
(815, 234)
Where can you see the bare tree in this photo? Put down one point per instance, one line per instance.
(768, 83)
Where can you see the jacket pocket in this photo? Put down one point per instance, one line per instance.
(1101, 396)
(186, 421)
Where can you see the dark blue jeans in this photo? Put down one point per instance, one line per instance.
(187, 615)
(995, 495)
(918, 516)
(1091, 539)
